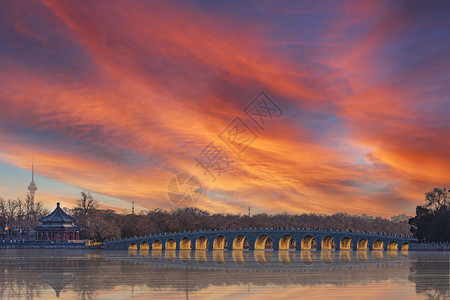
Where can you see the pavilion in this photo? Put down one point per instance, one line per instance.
(58, 226)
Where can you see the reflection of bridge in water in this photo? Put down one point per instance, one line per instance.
(305, 260)
(259, 239)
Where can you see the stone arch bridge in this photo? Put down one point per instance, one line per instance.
(259, 239)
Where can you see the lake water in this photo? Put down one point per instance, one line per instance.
(86, 274)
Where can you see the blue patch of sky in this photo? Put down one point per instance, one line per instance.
(113, 150)
(227, 197)
(372, 186)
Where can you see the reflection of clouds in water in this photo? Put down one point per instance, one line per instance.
(90, 273)
(432, 276)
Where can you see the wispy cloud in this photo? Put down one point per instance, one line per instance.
(116, 97)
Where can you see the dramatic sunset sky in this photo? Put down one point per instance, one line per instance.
(116, 97)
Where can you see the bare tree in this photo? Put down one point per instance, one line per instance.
(11, 207)
(86, 203)
(437, 198)
(19, 220)
(3, 216)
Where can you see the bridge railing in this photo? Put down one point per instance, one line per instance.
(265, 229)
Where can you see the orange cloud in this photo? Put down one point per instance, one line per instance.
(133, 91)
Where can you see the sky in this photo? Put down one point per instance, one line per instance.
(283, 106)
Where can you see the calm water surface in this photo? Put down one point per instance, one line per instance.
(83, 274)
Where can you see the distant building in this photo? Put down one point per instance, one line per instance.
(366, 217)
(400, 218)
(58, 226)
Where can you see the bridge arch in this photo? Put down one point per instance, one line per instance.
(220, 243)
(308, 242)
(185, 243)
(405, 246)
(363, 244)
(240, 242)
(132, 246)
(171, 244)
(377, 245)
(263, 241)
(328, 243)
(392, 245)
(286, 242)
(144, 246)
(346, 243)
(201, 243)
(157, 245)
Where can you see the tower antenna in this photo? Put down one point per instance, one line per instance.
(32, 168)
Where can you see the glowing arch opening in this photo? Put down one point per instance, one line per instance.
(287, 242)
(308, 243)
(201, 243)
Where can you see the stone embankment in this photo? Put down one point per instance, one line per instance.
(431, 246)
(41, 245)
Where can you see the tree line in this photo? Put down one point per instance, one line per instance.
(100, 224)
(432, 220)
(19, 214)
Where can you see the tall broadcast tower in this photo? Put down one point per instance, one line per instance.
(32, 187)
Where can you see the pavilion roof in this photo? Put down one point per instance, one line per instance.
(57, 216)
